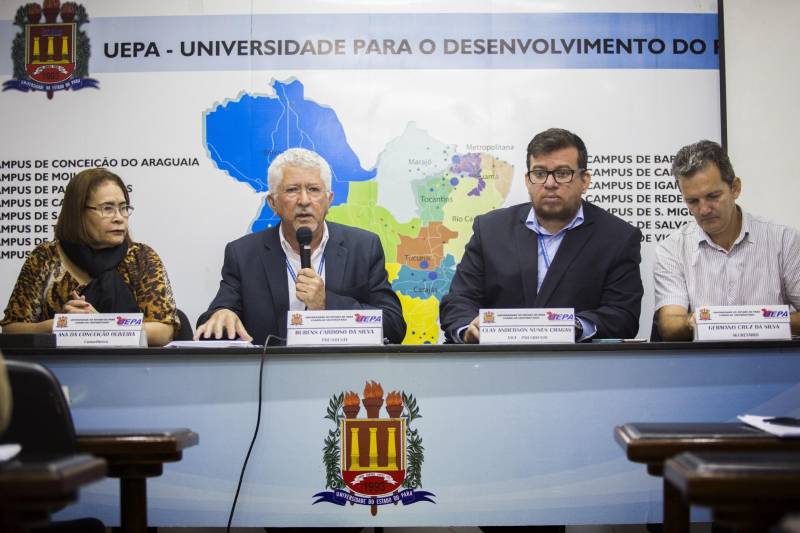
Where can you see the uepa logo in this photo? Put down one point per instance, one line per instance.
(52, 55)
(373, 460)
(368, 318)
(122, 321)
(560, 316)
(766, 313)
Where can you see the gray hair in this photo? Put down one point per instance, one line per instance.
(297, 157)
(693, 158)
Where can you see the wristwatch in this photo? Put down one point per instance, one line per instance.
(578, 328)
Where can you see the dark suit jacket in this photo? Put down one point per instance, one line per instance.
(254, 281)
(596, 271)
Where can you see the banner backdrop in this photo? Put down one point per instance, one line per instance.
(424, 111)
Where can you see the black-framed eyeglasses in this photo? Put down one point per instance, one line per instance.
(537, 176)
(108, 210)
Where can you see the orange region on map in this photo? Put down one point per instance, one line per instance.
(426, 250)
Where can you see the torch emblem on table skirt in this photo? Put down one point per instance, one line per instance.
(373, 460)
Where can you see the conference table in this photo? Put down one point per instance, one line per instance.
(499, 435)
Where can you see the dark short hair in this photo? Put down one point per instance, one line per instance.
(693, 158)
(70, 225)
(554, 139)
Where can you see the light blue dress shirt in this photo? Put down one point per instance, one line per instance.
(549, 244)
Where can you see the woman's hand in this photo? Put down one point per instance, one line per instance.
(78, 304)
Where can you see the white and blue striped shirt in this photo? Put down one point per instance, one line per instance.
(762, 267)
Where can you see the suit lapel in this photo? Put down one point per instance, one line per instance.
(335, 259)
(573, 243)
(274, 261)
(527, 253)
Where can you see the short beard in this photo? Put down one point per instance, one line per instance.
(565, 214)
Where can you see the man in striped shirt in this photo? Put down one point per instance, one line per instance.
(725, 257)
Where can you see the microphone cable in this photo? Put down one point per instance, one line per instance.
(255, 432)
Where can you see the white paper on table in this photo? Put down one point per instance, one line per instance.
(779, 430)
(216, 343)
(9, 451)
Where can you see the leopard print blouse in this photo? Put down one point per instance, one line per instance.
(44, 286)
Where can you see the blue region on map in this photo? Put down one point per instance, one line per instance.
(418, 283)
(244, 136)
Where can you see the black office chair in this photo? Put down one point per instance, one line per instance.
(41, 422)
(40, 417)
(185, 332)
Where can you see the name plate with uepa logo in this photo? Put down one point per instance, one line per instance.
(362, 327)
(99, 329)
(742, 322)
(527, 326)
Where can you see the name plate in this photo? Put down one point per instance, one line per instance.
(363, 327)
(99, 329)
(742, 322)
(527, 326)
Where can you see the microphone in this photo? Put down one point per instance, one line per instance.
(304, 240)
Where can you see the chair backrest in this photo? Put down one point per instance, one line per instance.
(185, 332)
(40, 418)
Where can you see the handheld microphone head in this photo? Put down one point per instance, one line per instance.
(304, 240)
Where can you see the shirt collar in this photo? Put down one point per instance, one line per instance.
(744, 232)
(533, 223)
(289, 251)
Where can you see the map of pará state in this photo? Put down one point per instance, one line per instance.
(421, 198)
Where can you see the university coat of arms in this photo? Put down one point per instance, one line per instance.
(373, 460)
(50, 55)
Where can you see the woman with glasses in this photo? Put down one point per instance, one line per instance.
(93, 266)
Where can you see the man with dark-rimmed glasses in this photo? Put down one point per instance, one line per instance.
(555, 251)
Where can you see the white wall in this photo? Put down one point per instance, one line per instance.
(763, 86)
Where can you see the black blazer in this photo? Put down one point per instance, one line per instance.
(596, 271)
(255, 281)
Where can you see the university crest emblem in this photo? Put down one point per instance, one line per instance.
(373, 460)
(705, 313)
(52, 55)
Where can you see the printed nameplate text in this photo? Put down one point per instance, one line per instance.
(99, 329)
(527, 326)
(334, 327)
(742, 322)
